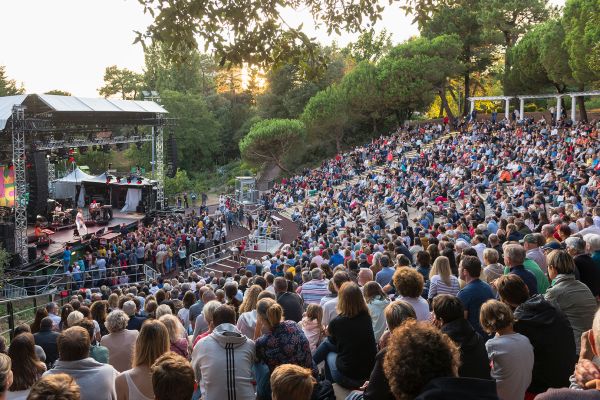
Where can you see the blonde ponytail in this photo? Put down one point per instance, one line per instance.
(270, 311)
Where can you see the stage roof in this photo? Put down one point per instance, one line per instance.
(78, 108)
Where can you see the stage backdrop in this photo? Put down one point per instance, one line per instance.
(7, 187)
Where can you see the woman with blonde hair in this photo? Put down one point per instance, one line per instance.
(441, 280)
(284, 343)
(349, 352)
(177, 336)
(247, 320)
(26, 366)
(113, 302)
(136, 383)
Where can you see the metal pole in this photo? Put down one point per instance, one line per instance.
(153, 152)
(574, 109)
(21, 196)
(506, 108)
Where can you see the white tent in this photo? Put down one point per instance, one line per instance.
(65, 188)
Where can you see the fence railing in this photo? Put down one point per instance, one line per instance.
(20, 311)
(50, 283)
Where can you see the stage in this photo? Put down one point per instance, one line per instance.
(64, 236)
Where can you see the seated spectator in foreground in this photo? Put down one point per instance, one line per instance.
(573, 297)
(225, 349)
(120, 341)
(97, 352)
(409, 286)
(589, 270)
(283, 343)
(135, 322)
(377, 387)
(350, 350)
(56, 387)
(151, 343)
(46, 338)
(449, 316)
(289, 301)
(422, 363)
(514, 257)
(96, 381)
(24, 328)
(475, 293)
(510, 353)
(172, 378)
(554, 353)
(26, 366)
(291, 382)
(6, 375)
(177, 336)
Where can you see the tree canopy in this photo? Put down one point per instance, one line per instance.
(122, 82)
(8, 87)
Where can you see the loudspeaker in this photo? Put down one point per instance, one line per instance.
(7, 236)
(171, 156)
(37, 179)
(32, 252)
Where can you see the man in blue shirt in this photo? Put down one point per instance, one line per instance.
(514, 257)
(67, 259)
(384, 276)
(336, 259)
(475, 293)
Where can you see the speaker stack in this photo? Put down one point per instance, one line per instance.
(171, 156)
(37, 179)
(7, 236)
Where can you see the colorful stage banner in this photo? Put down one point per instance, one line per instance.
(7, 186)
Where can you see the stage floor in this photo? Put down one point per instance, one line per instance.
(61, 237)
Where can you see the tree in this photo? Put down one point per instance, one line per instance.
(417, 70)
(326, 115)
(196, 131)
(59, 92)
(461, 18)
(178, 184)
(252, 31)
(229, 79)
(370, 46)
(121, 82)
(271, 140)
(363, 93)
(8, 87)
(513, 18)
(581, 21)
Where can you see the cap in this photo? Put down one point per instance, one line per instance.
(529, 238)
(363, 256)
(552, 246)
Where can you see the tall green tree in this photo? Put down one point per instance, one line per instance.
(370, 46)
(327, 116)
(461, 18)
(254, 32)
(362, 91)
(122, 82)
(196, 130)
(581, 21)
(59, 92)
(8, 87)
(271, 140)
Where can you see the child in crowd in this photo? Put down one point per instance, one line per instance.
(312, 325)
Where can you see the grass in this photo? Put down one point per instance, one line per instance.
(23, 312)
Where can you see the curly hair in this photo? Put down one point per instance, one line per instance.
(116, 321)
(408, 282)
(417, 353)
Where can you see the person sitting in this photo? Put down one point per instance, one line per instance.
(26, 366)
(120, 341)
(291, 382)
(150, 344)
(510, 353)
(6, 375)
(46, 338)
(57, 387)
(350, 349)
(422, 363)
(172, 378)
(96, 381)
(225, 349)
(449, 316)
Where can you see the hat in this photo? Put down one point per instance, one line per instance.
(529, 238)
(129, 308)
(552, 246)
(363, 256)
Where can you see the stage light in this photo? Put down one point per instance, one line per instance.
(118, 179)
(139, 181)
(128, 179)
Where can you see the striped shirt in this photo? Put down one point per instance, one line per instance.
(438, 286)
(314, 290)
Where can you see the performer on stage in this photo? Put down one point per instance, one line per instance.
(80, 227)
(94, 209)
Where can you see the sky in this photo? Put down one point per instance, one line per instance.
(67, 44)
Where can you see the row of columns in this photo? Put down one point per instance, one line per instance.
(522, 106)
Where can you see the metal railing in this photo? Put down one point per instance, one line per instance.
(51, 283)
(20, 311)
(211, 254)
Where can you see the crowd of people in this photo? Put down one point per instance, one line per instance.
(428, 266)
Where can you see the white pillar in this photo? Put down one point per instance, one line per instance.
(558, 108)
(506, 107)
(522, 108)
(472, 106)
(573, 109)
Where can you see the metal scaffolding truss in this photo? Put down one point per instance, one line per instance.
(21, 196)
(160, 161)
(83, 142)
